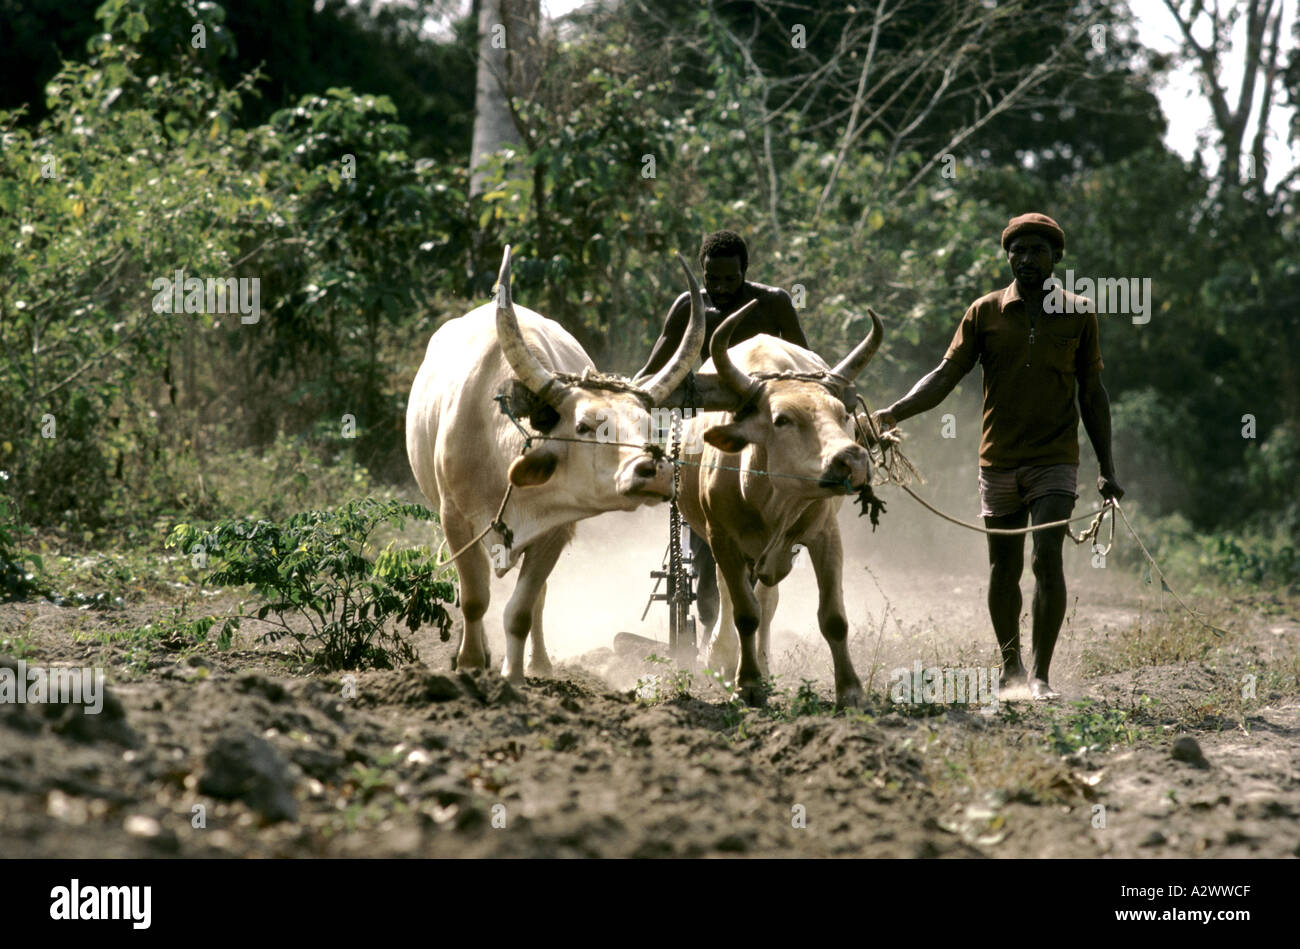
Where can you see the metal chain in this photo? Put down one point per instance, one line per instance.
(678, 592)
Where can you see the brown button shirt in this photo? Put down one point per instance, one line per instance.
(1030, 413)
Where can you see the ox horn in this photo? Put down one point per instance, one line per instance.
(856, 361)
(678, 367)
(732, 376)
(537, 378)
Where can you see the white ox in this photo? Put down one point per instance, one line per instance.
(801, 433)
(464, 452)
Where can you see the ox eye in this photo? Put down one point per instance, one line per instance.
(781, 420)
(584, 429)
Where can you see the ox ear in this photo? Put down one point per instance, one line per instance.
(534, 468)
(730, 438)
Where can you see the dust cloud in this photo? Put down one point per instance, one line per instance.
(914, 588)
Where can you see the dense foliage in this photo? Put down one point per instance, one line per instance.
(652, 124)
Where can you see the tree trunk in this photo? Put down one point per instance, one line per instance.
(507, 66)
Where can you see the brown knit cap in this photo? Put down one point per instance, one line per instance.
(1033, 223)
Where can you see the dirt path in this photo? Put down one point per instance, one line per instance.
(209, 753)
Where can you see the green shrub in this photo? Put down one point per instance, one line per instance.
(315, 566)
(17, 582)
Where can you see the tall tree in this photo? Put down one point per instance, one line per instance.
(507, 66)
(1243, 160)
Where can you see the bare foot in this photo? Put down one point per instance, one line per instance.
(1039, 689)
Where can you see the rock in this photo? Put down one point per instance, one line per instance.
(505, 694)
(1187, 750)
(1153, 839)
(141, 825)
(733, 843)
(319, 763)
(245, 767)
(260, 685)
(447, 790)
(469, 680)
(413, 685)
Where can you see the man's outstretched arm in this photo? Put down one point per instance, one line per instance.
(670, 338)
(1094, 409)
(925, 395)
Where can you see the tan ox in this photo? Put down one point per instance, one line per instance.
(799, 431)
(464, 452)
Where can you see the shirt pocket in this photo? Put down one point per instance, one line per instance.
(1060, 352)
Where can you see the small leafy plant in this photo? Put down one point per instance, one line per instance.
(806, 701)
(314, 566)
(670, 684)
(1090, 727)
(17, 582)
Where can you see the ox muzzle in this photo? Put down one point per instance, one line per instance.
(848, 470)
(645, 476)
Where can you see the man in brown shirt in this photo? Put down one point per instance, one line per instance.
(1033, 362)
(725, 259)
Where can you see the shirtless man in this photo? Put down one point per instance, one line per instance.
(725, 259)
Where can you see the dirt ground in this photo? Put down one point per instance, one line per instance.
(203, 752)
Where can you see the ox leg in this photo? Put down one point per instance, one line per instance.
(539, 664)
(539, 561)
(706, 592)
(768, 597)
(745, 610)
(475, 591)
(828, 563)
(724, 648)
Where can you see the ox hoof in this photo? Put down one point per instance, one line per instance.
(754, 695)
(540, 668)
(852, 697)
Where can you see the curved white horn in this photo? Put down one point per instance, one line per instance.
(674, 373)
(856, 361)
(537, 378)
(731, 375)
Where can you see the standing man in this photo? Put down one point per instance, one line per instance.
(1029, 450)
(725, 259)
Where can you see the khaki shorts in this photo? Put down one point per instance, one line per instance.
(1006, 490)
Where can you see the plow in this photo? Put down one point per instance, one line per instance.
(677, 574)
